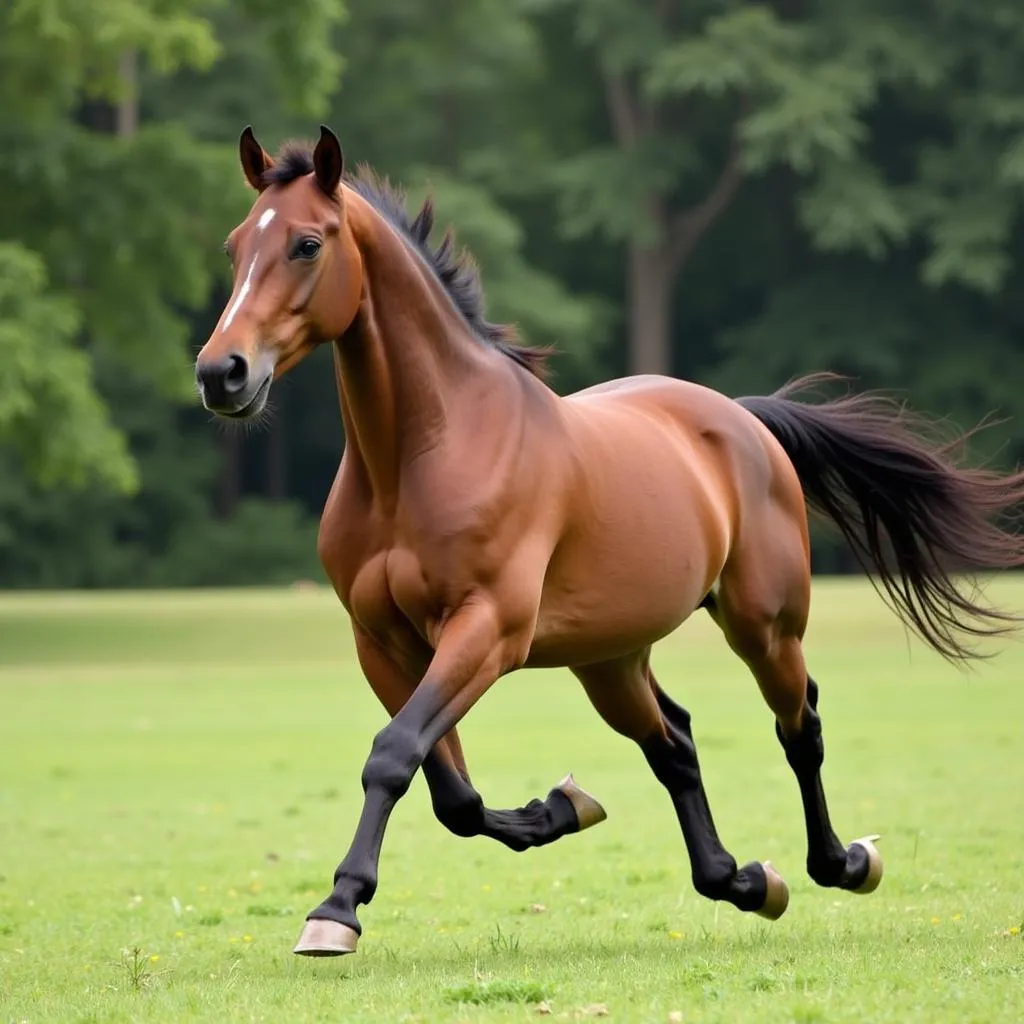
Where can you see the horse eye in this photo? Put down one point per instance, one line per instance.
(307, 249)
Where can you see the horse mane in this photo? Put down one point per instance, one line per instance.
(456, 270)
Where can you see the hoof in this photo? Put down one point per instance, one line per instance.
(874, 875)
(777, 896)
(321, 937)
(588, 810)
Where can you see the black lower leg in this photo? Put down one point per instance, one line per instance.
(829, 863)
(397, 752)
(673, 759)
(460, 808)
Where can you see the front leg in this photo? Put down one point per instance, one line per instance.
(460, 808)
(472, 651)
(457, 805)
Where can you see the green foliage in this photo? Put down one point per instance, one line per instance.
(868, 160)
(265, 542)
(49, 413)
(810, 89)
(303, 59)
(137, 227)
(52, 52)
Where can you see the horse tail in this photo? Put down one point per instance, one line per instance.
(893, 488)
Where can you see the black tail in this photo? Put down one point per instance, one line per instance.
(904, 506)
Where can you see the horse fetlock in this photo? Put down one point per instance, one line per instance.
(588, 810)
(718, 879)
(864, 866)
(776, 898)
(352, 886)
(755, 888)
(827, 871)
(464, 818)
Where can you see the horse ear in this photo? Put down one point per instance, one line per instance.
(328, 161)
(255, 159)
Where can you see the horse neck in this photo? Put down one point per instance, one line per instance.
(405, 358)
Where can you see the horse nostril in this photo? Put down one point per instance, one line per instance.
(222, 379)
(236, 374)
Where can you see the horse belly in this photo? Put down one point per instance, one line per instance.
(641, 559)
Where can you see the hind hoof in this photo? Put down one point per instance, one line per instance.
(776, 898)
(321, 937)
(588, 810)
(874, 875)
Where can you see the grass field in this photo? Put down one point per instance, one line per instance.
(179, 775)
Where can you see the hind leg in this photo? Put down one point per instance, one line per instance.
(627, 696)
(457, 805)
(763, 615)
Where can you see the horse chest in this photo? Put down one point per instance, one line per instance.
(398, 575)
(384, 588)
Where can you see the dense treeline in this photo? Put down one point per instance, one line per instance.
(729, 191)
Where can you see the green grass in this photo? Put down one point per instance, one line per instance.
(179, 775)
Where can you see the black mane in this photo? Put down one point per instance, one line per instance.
(457, 271)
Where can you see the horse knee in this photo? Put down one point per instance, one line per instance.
(394, 758)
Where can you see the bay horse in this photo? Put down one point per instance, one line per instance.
(480, 523)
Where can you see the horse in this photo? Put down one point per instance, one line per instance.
(480, 523)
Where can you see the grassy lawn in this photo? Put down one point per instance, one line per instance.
(179, 776)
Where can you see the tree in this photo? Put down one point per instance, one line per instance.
(874, 227)
(50, 413)
(703, 97)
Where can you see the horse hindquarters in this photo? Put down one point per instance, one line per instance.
(762, 605)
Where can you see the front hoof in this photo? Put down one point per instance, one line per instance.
(874, 875)
(588, 810)
(321, 937)
(776, 898)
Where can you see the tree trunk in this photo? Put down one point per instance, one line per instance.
(650, 301)
(128, 104)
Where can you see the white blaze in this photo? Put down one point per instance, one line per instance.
(242, 292)
(265, 218)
